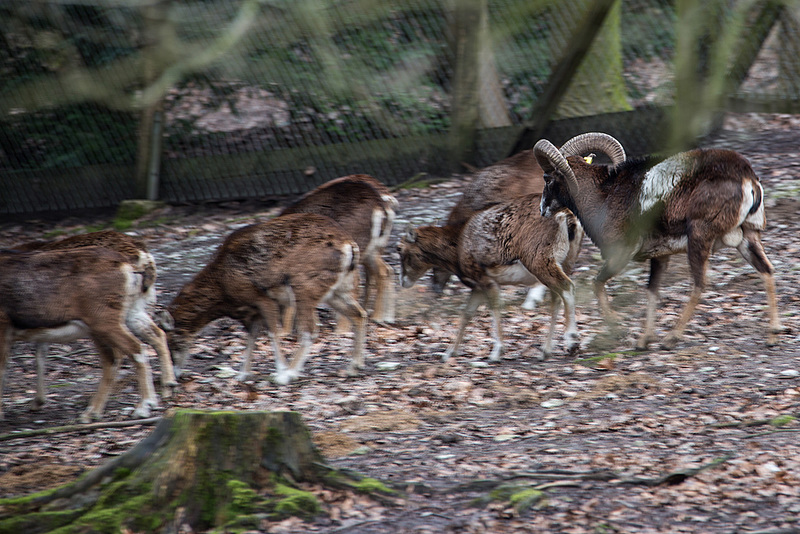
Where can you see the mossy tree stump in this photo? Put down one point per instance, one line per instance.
(205, 469)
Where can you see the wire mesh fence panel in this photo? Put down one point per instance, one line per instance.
(245, 98)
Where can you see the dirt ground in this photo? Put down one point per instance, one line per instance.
(703, 438)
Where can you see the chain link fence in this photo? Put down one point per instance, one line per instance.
(200, 100)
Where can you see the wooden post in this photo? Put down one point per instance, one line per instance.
(465, 115)
(148, 153)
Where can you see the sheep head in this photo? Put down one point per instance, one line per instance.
(561, 183)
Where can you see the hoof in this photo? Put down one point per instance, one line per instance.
(88, 416)
(244, 377)
(643, 343)
(283, 378)
(142, 412)
(669, 342)
(352, 371)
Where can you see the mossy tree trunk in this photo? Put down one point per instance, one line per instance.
(789, 59)
(598, 85)
(203, 469)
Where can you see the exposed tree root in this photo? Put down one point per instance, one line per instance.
(207, 470)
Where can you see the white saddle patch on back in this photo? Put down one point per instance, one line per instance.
(660, 180)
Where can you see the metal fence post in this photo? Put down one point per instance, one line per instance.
(148, 157)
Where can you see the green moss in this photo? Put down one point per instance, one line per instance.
(121, 472)
(243, 497)
(502, 492)
(38, 522)
(371, 485)
(102, 520)
(20, 505)
(131, 210)
(52, 234)
(295, 502)
(523, 500)
(121, 225)
(608, 355)
(94, 228)
(418, 181)
(782, 420)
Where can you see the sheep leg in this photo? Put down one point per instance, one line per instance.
(144, 375)
(151, 334)
(534, 297)
(752, 251)
(378, 273)
(614, 265)
(140, 323)
(439, 279)
(41, 354)
(476, 298)
(658, 266)
(384, 309)
(100, 397)
(496, 306)
(5, 350)
(305, 318)
(699, 249)
(285, 297)
(561, 290)
(349, 308)
(269, 309)
(547, 347)
(253, 329)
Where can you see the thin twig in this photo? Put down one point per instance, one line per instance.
(676, 477)
(77, 428)
(347, 528)
(761, 434)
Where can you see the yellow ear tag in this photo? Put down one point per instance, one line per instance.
(588, 159)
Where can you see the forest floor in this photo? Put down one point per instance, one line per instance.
(703, 438)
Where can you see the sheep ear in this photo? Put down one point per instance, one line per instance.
(410, 234)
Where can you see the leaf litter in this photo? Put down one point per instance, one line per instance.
(700, 439)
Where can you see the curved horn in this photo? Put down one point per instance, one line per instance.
(594, 141)
(551, 159)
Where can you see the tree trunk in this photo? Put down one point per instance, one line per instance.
(598, 86)
(466, 24)
(788, 60)
(198, 468)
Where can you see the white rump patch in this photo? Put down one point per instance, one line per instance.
(376, 239)
(659, 181)
(344, 281)
(757, 220)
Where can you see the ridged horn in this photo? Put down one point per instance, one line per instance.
(582, 144)
(551, 159)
